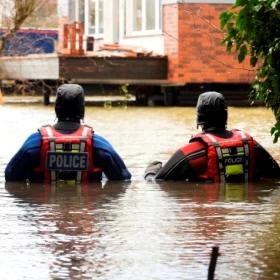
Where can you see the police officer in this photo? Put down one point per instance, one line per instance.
(69, 150)
(216, 154)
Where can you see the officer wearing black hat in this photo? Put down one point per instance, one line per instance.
(216, 154)
(68, 150)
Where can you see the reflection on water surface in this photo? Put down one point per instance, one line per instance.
(138, 230)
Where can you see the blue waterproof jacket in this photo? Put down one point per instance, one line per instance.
(21, 166)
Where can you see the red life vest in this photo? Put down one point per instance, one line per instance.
(228, 159)
(67, 156)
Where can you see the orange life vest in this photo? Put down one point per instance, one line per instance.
(67, 157)
(228, 159)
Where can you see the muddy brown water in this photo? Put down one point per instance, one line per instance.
(138, 230)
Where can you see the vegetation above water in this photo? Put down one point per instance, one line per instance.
(253, 30)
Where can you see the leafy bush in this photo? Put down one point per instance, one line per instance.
(253, 30)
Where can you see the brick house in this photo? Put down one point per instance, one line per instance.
(187, 32)
(181, 38)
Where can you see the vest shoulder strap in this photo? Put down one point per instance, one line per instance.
(48, 131)
(207, 138)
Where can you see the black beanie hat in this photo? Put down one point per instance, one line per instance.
(70, 102)
(211, 110)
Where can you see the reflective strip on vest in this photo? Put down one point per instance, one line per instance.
(221, 165)
(247, 151)
(82, 149)
(52, 148)
(234, 168)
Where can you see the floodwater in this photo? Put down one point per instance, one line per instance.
(138, 230)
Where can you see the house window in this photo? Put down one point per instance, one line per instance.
(90, 12)
(95, 11)
(150, 15)
(81, 11)
(137, 15)
(143, 16)
(72, 10)
(76, 10)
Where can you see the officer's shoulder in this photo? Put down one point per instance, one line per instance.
(34, 136)
(101, 142)
(99, 137)
(33, 141)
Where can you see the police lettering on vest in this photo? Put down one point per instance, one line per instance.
(233, 160)
(67, 161)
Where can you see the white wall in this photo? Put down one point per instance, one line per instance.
(62, 8)
(30, 67)
(154, 43)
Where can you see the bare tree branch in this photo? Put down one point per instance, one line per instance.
(21, 10)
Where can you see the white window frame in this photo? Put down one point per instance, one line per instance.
(97, 34)
(130, 19)
(76, 10)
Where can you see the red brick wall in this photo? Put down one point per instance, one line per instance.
(171, 46)
(192, 38)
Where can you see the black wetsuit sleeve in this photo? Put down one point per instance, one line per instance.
(152, 169)
(176, 168)
(266, 166)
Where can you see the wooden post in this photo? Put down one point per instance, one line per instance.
(72, 38)
(1, 97)
(65, 36)
(81, 35)
(213, 262)
(170, 95)
(46, 94)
